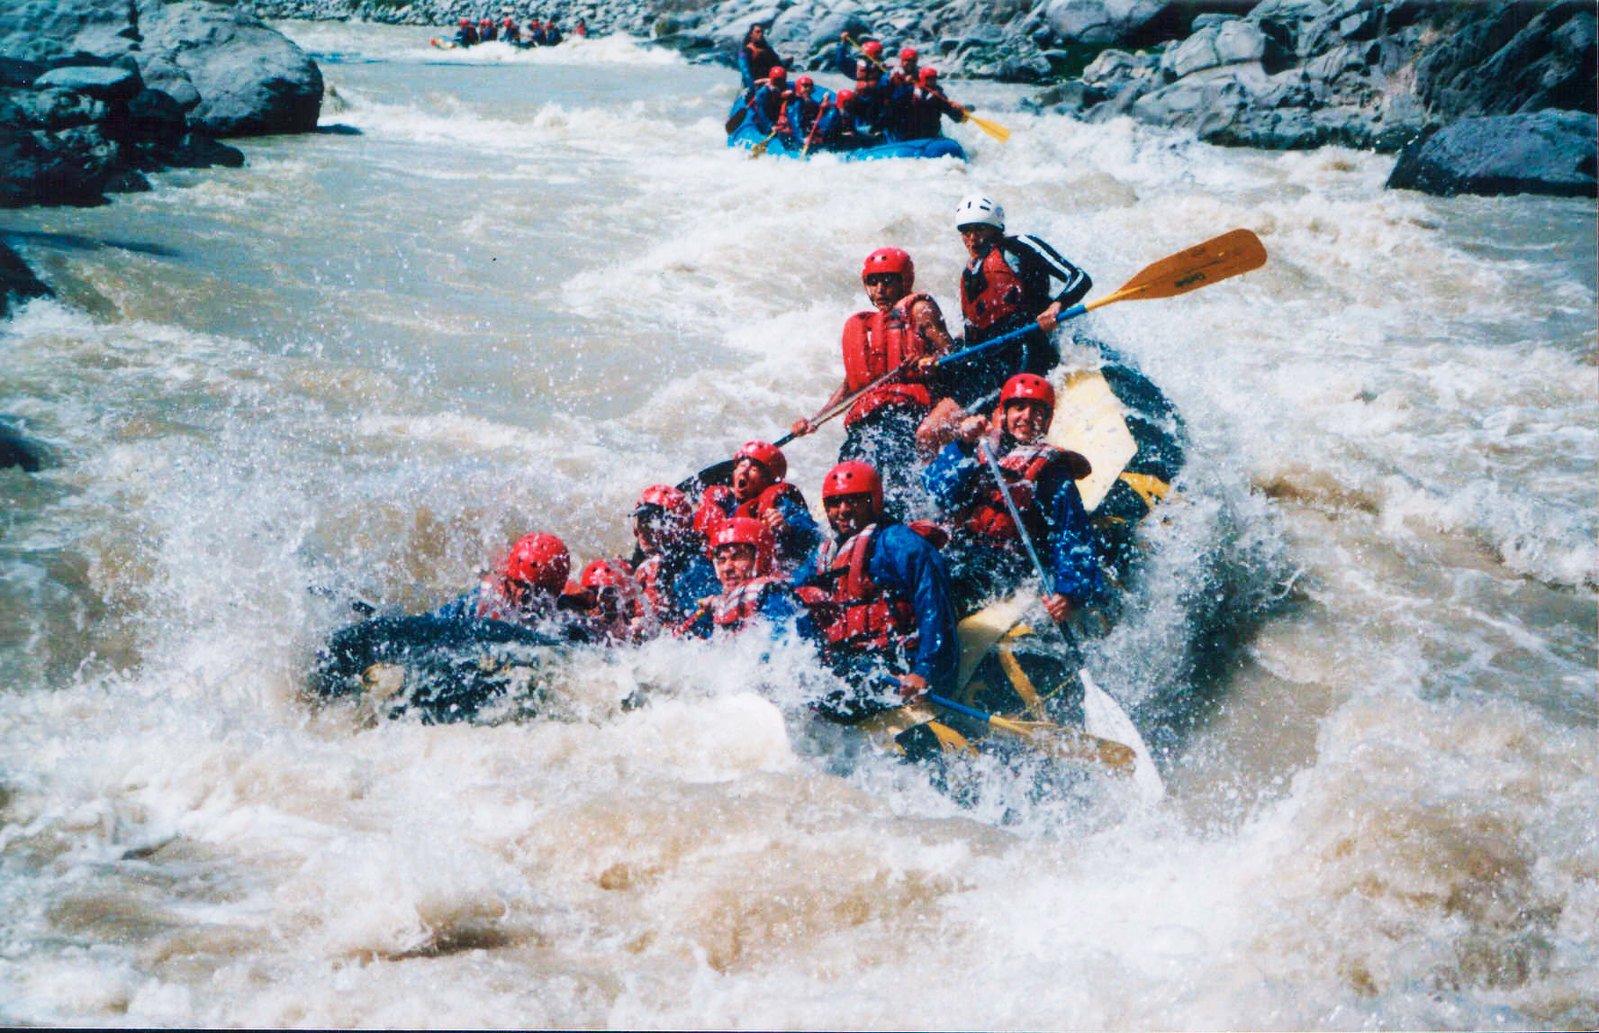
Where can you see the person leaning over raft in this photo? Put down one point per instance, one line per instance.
(742, 550)
(1005, 286)
(674, 573)
(525, 588)
(880, 597)
(759, 491)
(986, 554)
(902, 327)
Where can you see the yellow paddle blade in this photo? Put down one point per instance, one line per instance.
(760, 149)
(1216, 259)
(990, 127)
(1069, 743)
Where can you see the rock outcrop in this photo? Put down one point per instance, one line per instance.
(1362, 73)
(1548, 152)
(95, 92)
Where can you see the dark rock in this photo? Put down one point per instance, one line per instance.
(1522, 57)
(67, 167)
(1547, 152)
(17, 449)
(17, 281)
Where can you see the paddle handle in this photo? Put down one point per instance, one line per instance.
(959, 708)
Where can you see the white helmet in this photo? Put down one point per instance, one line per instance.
(976, 210)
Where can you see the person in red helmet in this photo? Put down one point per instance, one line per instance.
(811, 116)
(672, 569)
(485, 30)
(986, 554)
(868, 71)
(772, 94)
(880, 597)
(742, 549)
(759, 491)
(526, 587)
(904, 329)
(465, 33)
(510, 32)
(608, 592)
(926, 107)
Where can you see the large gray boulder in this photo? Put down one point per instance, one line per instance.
(1547, 152)
(232, 73)
(250, 78)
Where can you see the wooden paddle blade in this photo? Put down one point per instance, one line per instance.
(1219, 258)
(990, 127)
(1070, 744)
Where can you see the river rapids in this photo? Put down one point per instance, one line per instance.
(503, 291)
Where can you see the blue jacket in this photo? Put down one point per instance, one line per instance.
(906, 564)
(957, 478)
(686, 578)
(764, 108)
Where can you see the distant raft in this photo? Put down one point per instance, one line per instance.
(747, 137)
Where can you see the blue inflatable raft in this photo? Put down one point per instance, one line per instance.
(747, 136)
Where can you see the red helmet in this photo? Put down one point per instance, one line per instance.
(540, 560)
(928, 75)
(804, 82)
(890, 260)
(1028, 387)
(604, 574)
(666, 498)
(844, 97)
(769, 456)
(747, 531)
(466, 21)
(484, 21)
(854, 478)
(872, 48)
(908, 54)
(509, 21)
(777, 74)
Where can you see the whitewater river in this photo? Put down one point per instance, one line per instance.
(517, 288)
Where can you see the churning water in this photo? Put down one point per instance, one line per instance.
(1364, 643)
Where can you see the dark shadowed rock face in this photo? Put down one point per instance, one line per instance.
(1547, 152)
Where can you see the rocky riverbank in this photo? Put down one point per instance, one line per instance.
(1276, 74)
(95, 93)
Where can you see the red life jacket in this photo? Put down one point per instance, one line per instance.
(719, 504)
(1001, 296)
(733, 609)
(1022, 466)
(876, 342)
(853, 613)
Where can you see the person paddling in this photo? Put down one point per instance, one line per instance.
(674, 573)
(1005, 286)
(867, 71)
(766, 106)
(525, 588)
(742, 549)
(465, 33)
(904, 326)
(880, 596)
(760, 492)
(986, 554)
(926, 107)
